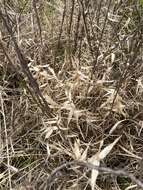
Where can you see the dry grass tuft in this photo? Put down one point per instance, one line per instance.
(71, 95)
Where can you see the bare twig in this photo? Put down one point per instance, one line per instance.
(70, 27)
(6, 139)
(38, 20)
(83, 13)
(23, 62)
(119, 172)
(129, 63)
(100, 38)
(35, 98)
(77, 30)
(60, 34)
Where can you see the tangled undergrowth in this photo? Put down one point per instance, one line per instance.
(71, 95)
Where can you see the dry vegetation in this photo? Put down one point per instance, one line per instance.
(71, 95)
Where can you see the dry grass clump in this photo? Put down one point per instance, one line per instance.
(71, 95)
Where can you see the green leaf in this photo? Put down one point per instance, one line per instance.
(141, 2)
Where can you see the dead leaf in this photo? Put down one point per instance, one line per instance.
(115, 126)
(95, 160)
(107, 149)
